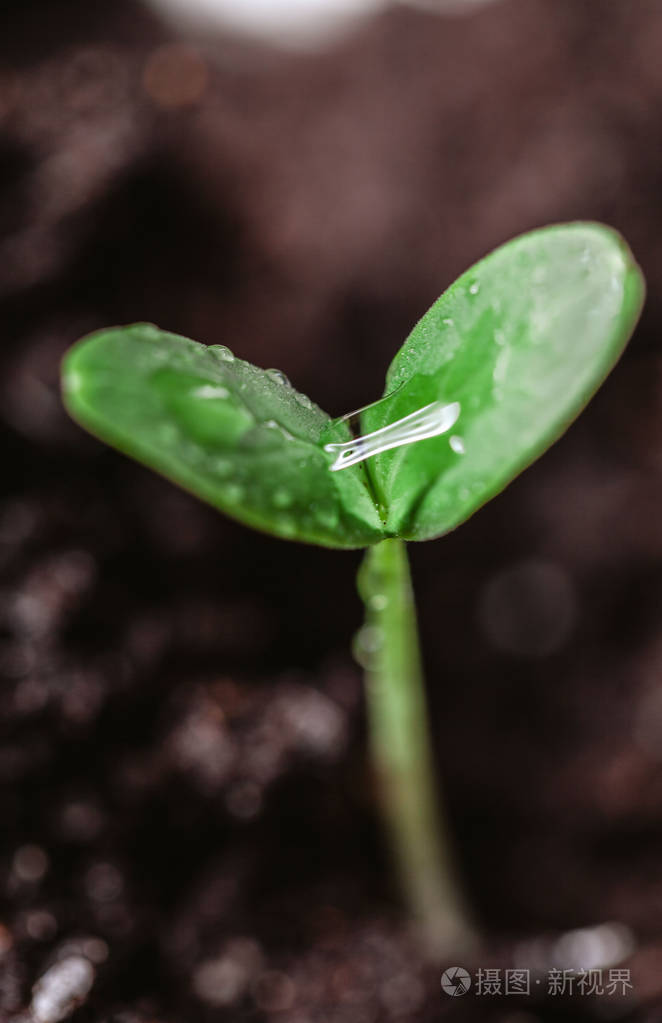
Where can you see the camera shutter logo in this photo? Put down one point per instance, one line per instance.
(455, 981)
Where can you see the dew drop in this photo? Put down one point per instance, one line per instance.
(448, 322)
(233, 492)
(278, 377)
(428, 421)
(222, 352)
(378, 602)
(464, 494)
(211, 391)
(457, 444)
(499, 337)
(327, 517)
(367, 642)
(474, 287)
(149, 330)
(286, 526)
(304, 400)
(282, 498)
(222, 467)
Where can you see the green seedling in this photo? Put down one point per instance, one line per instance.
(490, 377)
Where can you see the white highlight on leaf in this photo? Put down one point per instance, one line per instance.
(211, 391)
(429, 421)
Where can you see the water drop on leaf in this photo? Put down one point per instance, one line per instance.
(221, 352)
(426, 422)
(211, 391)
(367, 643)
(327, 517)
(234, 492)
(222, 467)
(282, 498)
(278, 377)
(149, 330)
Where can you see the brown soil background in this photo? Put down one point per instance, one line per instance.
(181, 720)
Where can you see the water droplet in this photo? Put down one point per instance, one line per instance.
(222, 352)
(457, 444)
(286, 526)
(474, 287)
(429, 421)
(327, 517)
(233, 492)
(378, 602)
(464, 494)
(210, 391)
(499, 337)
(282, 498)
(367, 642)
(278, 377)
(448, 322)
(149, 330)
(222, 467)
(304, 400)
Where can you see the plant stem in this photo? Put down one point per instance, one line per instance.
(388, 647)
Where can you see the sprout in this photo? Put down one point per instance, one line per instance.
(509, 355)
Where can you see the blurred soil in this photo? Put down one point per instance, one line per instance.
(184, 800)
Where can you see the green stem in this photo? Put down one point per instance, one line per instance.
(400, 747)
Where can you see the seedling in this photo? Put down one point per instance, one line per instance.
(487, 380)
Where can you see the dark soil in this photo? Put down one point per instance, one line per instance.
(184, 797)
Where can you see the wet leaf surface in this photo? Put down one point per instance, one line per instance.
(237, 436)
(522, 340)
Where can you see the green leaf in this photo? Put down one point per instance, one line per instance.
(239, 437)
(521, 341)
